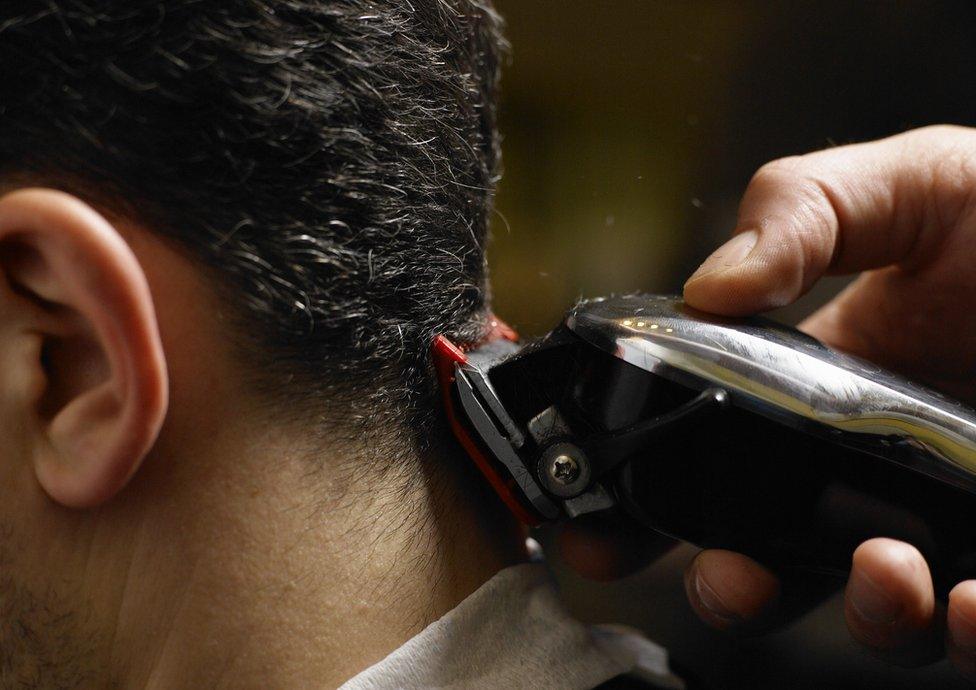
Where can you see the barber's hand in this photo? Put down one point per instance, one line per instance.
(903, 211)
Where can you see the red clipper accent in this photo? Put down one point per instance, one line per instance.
(447, 356)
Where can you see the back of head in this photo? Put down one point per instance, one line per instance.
(294, 198)
(330, 165)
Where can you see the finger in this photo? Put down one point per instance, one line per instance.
(841, 210)
(890, 604)
(859, 321)
(961, 628)
(882, 315)
(602, 550)
(730, 591)
(839, 325)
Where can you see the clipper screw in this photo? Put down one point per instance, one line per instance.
(564, 469)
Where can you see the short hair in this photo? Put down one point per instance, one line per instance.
(331, 163)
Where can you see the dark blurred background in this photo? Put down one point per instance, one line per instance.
(631, 129)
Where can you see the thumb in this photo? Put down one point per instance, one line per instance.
(842, 210)
(741, 278)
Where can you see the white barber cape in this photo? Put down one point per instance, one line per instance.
(513, 632)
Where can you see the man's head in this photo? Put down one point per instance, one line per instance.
(266, 208)
(329, 165)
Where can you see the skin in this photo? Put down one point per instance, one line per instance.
(160, 525)
(902, 213)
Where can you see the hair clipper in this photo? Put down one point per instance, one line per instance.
(741, 434)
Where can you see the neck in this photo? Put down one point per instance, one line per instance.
(288, 587)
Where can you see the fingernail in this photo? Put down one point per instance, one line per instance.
(711, 601)
(871, 602)
(731, 254)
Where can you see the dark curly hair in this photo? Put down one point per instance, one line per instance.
(330, 163)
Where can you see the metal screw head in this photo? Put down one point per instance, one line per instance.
(564, 469)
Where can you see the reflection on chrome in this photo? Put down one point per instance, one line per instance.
(786, 375)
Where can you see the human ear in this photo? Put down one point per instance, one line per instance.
(89, 383)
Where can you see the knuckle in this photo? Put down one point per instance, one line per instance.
(802, 197)
(933, 145)
(797, 181)
(779, 171)
(954, 172)
(949, 180)
(941, 133)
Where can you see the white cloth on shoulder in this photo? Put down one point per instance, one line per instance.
(514, 632)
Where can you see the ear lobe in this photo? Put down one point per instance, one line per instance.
(105, 386)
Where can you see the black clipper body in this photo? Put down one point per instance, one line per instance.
(738, 434)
